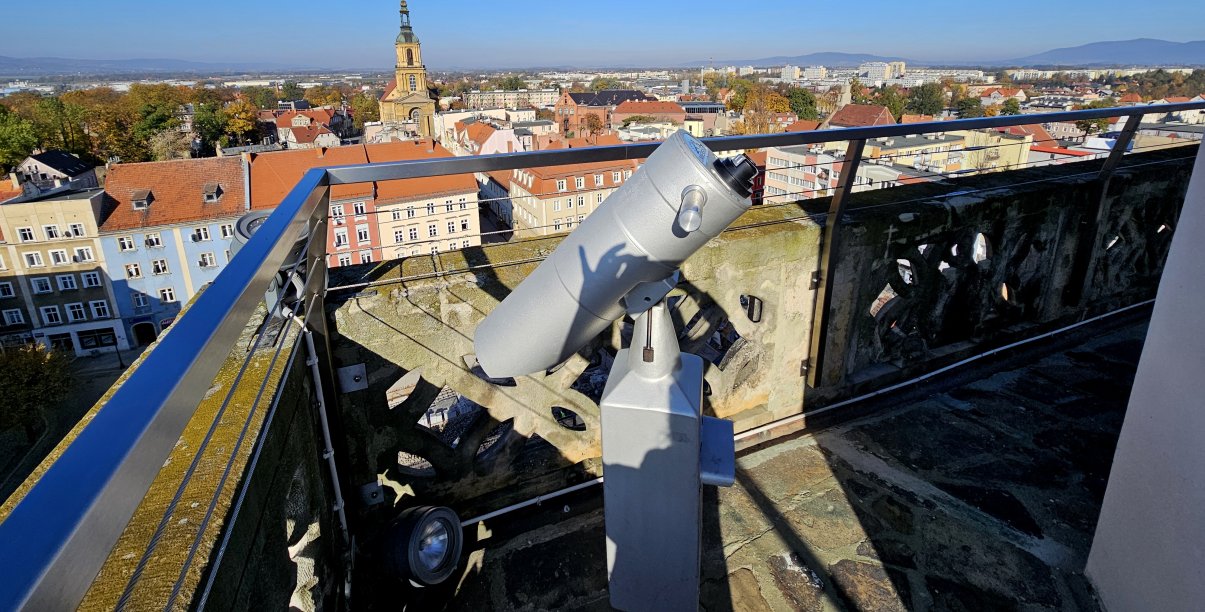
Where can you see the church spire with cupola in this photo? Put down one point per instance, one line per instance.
(409, 101)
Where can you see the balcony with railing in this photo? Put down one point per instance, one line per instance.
(926, 383)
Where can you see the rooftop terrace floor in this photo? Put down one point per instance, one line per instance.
(978, 492)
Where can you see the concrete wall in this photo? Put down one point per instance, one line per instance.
(1148, 552)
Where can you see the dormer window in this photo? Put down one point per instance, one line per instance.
(213, 192)
(142, 199)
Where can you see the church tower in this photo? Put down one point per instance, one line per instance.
(407, 99)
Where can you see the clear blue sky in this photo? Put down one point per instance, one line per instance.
(478, 33)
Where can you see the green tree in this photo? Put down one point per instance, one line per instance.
(324, 95)
(892, 98)
(17, 138)
(60, 125)
(927, 99)
(856, 92)
(209, 123)
(262, 97)
(594, 124)
(1092, 126)
(1011, 106)
(365, 109)
(32, 380)
(803, 103)
(603, 83)
(291, 91)
(969, 108)
(511, 83)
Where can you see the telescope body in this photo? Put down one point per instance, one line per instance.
(636, 236)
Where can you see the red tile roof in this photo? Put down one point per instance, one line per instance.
(307, 135)
(389, 89)
(803, 125)
(1040, 135)
(479, 133)
(917, 118)
(858, 115)
(416, 189)
(273, 175)
(649, 108)
(1130, 98)
(177, 192)
(1176, 99)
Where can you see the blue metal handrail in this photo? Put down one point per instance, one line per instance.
(56, 539)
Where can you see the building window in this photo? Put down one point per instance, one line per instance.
(91, 279)
(366, 257)
(25, 233)
(14, 317)
(41, 285)
(556, 206)
(227, 230)
(464, 244)
(396, 215)
(51, 315)
(598, 180)
(167, 295)
(448, 206)
(580, 182)
(341, 239)
(345, 260)
(464, 225)
(77, 230)
(599, 198)
(159, 266)
(360, 209)
(463, 203)
(34, 260)
(413, 83)
(212, 192)
(556, 224)
(581, 201)
(431, 208)
(133, 271)
(125, 243)
(84, 254)
(100, 309)
(410, 212)
(399, 236)
(561, 185)
(208, 260)
(52, 231)
(154, 241)
(414, 233)
(432, 230)
(76, 312)
(451, 227)
(201, 234)
(337, 213)
(59, 258)
(627, 174)
(568, 202)
(614, 177)
(6, 290)
(139, 299)
(66, 282)
(3, 266)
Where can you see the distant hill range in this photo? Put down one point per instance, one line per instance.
(47, 66)
(1139, 52)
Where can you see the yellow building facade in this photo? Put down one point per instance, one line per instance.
(407, 100)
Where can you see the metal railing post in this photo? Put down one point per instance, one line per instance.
(830, 258)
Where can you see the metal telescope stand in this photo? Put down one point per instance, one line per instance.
(658, 451)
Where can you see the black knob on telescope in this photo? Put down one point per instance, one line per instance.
(738, 172)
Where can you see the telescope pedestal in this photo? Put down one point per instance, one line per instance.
(658, 450)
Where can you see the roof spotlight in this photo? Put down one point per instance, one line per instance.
(424, 545)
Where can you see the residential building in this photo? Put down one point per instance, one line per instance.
(540, 98)
(815, 73)
(52, 169)
(54, 284)
(473, 137)
(168, 233)
(875, 71)
(313, 137)
(994, 151)
(407, 101)
(935, 153)
(573, 109)
(427, 215)
(790, 74)
(661, 111)
(997, 95)
(555, 199)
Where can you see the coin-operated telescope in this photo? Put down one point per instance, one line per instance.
(658, 449)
